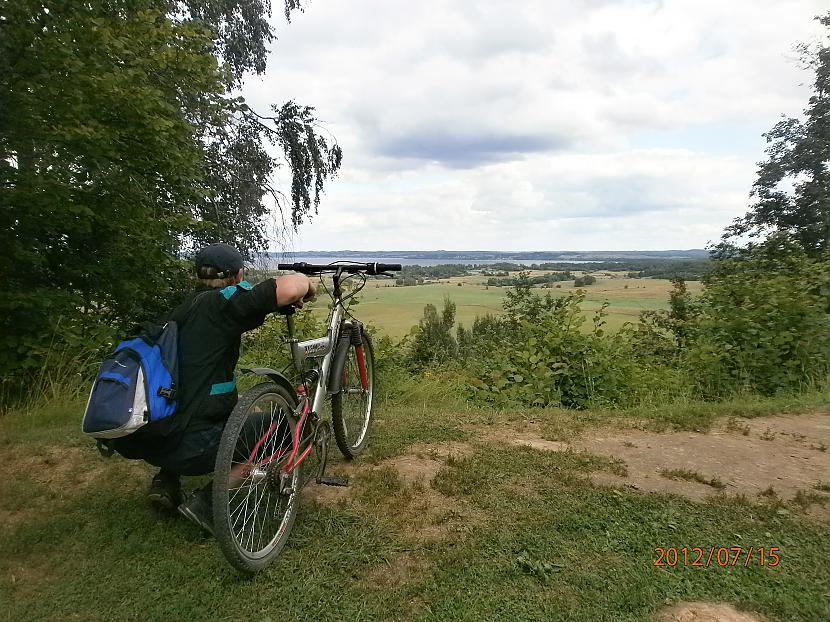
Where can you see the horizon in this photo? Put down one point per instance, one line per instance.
(483, 250)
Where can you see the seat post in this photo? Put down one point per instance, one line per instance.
(296, 355)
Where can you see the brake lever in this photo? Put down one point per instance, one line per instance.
(385, 274)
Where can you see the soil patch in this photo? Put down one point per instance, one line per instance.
(706, 612)
(398, 571)
(431, 515)
(442, 451)
(541, 444)
(333, 495)
(418, 466)
(413, 468)
(783, 453)
(426, 514)
(56, 467)
(58, 471)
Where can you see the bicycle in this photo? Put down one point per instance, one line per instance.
(278, 429)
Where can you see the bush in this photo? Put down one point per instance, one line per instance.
(762, 326)
(762, 323)
(432, 340)
(549, 360)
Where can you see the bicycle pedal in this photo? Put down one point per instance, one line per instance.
(333, 481)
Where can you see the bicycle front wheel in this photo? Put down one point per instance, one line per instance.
(254, 500)
(351, 407)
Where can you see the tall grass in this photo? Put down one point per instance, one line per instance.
(65, 376)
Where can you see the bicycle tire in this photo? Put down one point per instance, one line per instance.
(259, 428)
(343, 403)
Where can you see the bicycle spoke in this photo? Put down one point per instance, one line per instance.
(254, 517)
(243, 509)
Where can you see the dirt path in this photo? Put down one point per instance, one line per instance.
(705, 612)
(782, 457)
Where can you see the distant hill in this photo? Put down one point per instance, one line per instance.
(478, 255)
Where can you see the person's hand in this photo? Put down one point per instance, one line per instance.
(308, 296)
(312, 291)
(294, 289)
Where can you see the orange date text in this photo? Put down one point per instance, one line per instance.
(723, 556)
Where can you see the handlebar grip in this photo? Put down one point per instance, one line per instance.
(385, 267)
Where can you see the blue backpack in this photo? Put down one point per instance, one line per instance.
(135, 385)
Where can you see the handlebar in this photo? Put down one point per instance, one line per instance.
(352, 268)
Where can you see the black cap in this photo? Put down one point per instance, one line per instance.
(223, 257)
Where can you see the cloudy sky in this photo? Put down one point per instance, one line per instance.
(539, 125)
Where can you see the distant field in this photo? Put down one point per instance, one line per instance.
(394, 310)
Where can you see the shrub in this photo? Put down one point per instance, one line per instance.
(762, 323)
(432, 340)
(548, 359)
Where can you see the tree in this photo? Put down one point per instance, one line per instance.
(433, 342)
(241, 171)
(121, 147)
(762, 322)
(241, 30)
(792, 192)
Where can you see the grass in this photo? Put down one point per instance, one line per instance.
(809, 498)
(525, 536)
(397, 309)
(696, 415)
(733, 425)
(693, 476)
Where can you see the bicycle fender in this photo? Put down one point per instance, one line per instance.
(273, 374)
(339, 362)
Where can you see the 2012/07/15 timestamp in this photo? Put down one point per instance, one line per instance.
(723, 556)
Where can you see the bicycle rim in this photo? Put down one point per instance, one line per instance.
(255, 502)
(352, 406)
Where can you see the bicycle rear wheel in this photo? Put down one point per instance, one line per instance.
(254, 501)
(351, 407)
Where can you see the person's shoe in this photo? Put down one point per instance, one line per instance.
(165, 492)
(198, 508)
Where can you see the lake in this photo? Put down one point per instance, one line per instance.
(271, 262)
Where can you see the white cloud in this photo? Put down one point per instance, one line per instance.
(539, 125)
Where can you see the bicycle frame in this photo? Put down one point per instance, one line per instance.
(301, 351)
(314, 348)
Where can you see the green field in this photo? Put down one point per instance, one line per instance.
(395, 310)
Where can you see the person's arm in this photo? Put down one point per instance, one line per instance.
(294, 289)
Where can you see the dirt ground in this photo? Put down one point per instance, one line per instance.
(60, 471)
(778, 457)
(782, 457)
(705, 612)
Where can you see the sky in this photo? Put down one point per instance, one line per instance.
(538, 125)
